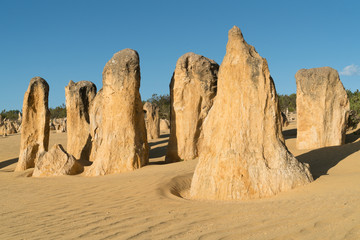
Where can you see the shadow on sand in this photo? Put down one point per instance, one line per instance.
(291, 133)
(322, 159)
(350, 138)
(8, 162)
(157, 152)
(160, 142)
(160, 151)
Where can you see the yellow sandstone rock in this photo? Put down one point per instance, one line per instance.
(322, 108)
(164, 125)
(152, 121)
(35, 126)
(56, 162)
(192, 89)
(243, 154)
(78, 98)
(117, 119)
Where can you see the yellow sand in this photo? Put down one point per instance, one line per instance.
(144, 204)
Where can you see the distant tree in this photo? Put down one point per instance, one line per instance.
(163, 102)
(354, 99)
(11, 114)
(354, 116)
(287, 101)
(58, 112)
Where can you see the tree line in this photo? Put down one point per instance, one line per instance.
(163, 102)
(57, 112)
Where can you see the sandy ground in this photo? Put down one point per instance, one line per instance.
(145, 204)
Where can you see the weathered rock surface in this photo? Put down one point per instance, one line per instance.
(243, 154)
(192, 89)
(322, 108)
(96, 115)
(152, 121)
(117, 119)
(35, 123)
(78, 98)
(56, 162)
(164, 125)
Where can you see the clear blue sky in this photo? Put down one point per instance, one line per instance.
(72, 40)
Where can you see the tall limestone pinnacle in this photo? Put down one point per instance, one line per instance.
(192, 90)
(152, 120)
(322, 108)
(243, 154)
(35, 128)
(117, 120)
(78, 98)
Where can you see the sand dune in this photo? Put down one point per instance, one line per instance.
(147, 203)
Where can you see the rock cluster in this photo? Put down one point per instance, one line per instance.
(322, 108)
(35, 124)
(243, 154)
(117, 119)
(8, 127)
(59, 125)
(35, 137)
(192, 89)
(229, 118)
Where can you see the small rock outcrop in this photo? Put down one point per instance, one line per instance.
(192, 89)
(117, 119)
(284, 120)
(78, 98)
(322, 108)
(19, 117)
(52, 126)
(35, 123)
(60, 124)
(243, 154)
(56, 162)
(164, 125)
(152, 121)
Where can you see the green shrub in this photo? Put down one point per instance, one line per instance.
(287, 101)
(11, 114)
(354, 116)
(163, 102)
(58, 112)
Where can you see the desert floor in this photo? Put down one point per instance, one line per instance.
(145, 204)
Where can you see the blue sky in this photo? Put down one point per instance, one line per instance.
(72, 40)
